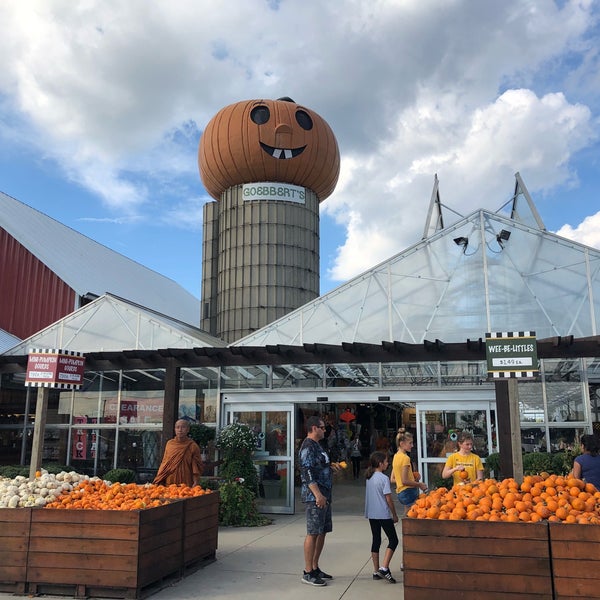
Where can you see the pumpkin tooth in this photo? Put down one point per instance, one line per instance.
(288, 153)
(277, 152)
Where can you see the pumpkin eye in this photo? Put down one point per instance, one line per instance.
(260, 115)
(304, 120)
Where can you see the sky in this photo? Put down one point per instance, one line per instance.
(103, 104)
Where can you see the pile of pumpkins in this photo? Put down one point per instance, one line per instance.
(76, 491)
(22, 492)
(537, 498)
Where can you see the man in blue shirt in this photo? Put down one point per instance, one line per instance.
(317, 477)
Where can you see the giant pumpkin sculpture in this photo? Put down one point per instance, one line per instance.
(268, 140)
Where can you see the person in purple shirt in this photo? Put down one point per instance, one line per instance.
(587, 464)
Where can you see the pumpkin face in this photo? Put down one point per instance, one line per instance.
(268, 140)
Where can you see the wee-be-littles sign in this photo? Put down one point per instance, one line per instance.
(511, 354)
(60, 369)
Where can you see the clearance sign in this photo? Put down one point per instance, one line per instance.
(511, 354)
(60, 369)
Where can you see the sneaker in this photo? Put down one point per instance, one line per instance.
(377, 575)
(387, 575)
(321, 574)
(312, 579)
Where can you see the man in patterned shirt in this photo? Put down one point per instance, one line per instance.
(316, 474)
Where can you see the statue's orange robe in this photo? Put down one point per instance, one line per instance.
(181, 463)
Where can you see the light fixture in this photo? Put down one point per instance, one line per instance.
(462, 241)
(322, 399)
(503, 236)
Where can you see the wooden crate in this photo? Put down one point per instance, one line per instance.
(104, 553)
(475, 559)
(14, 543)
(575, 560)
(200, 530)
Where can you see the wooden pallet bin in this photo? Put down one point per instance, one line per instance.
(475, 559)
(200, 530)
(14, 544)
(575, 561)
(102, 552)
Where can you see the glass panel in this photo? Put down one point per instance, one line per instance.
(463, 373)
(564, 390)
(274, 442)
(531, 402)
(271, 428)
(97, 401)
(140, 407)
(244, 377)
(411, 373)
(91, 450)
(139, 450)
(198, 394)
(562, 438)
(533, 439)
(304, 376)
(59, 406)
(273, 482)
(433, 475)
(55, 446)
(345, 375)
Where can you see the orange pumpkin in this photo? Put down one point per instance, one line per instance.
(268, 140)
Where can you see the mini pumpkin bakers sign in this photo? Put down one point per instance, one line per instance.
(60, 369)
(270, 190)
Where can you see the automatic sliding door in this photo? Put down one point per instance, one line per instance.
(273, 454)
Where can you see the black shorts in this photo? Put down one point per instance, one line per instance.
(318, 520)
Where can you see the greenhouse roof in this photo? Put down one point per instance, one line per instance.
(112, 323)
(487, 272)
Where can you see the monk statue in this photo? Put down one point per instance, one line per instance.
(181, 462)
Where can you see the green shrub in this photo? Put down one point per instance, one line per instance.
(12, 471)
(238, 506)
(241, 467)
(535, 463)
(563, 461)
(202, 434)
(120, 475)
(210, 483)
(492, 463)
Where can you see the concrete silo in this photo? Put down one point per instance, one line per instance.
(268, 164)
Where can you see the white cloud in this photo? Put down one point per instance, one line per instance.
(117, 94)
(475, 156)
(587, 232)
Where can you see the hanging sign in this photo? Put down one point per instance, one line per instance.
(60, 369)
(511, 354)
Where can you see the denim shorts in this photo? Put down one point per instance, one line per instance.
(408, 496)
(318, 520)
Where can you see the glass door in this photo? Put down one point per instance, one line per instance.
(273, 455)
(438, 426)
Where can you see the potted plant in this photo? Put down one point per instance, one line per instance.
(236, 442)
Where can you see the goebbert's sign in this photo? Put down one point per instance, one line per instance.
(269, 190)
(511, 354)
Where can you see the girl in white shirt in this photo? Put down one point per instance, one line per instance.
(381, 512)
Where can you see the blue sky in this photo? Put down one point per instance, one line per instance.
(102, 105)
